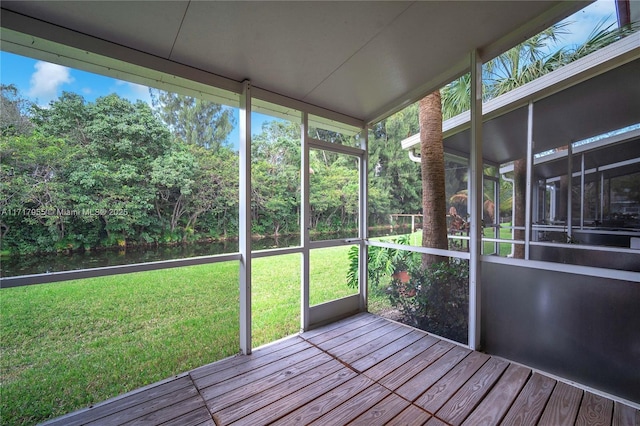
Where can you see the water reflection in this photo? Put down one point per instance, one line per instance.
(44, 263)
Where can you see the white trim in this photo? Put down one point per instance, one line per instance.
(52, 43)
(275, 252)
(334, 243)
(614, 274)
(418, 249)
(529, 184)
(305, 224)
(587, 248)
(363, 229)
(53, 277)
(569, 219)
(334, 147)
(501, 241)
(244, 228)
(331, 120)
(631, 232)
(476, 173)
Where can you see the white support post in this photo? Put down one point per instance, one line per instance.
(601, 197)
(362, 264)
(582, 192)
(245, 218)
(304, 224)
(529, 185)
(476, 172)
(552, 203)
(569, 191)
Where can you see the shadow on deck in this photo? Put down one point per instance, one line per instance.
(362, 370)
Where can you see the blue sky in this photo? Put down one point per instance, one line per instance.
(42, 82)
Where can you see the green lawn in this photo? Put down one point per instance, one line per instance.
(71, 344)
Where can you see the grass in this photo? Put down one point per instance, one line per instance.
(72, 344)
(69, 345)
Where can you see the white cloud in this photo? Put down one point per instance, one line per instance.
(586, 20)
(47, 79)
(134, 91)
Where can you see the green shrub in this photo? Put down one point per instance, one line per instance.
(435, 299)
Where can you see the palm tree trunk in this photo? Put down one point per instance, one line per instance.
(434, 203)
(520, 191)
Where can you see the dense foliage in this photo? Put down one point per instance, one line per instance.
(435, 299)
(107, 173)
(78, 175)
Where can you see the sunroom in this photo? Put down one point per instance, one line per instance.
(564, 314)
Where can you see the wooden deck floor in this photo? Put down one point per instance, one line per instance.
(364, 370)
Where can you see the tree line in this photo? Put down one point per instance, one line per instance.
(79, 175)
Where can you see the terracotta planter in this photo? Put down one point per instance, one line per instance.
(402, 276)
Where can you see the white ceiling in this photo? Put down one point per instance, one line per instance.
(359, 58)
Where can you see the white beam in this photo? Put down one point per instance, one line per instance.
(476, 173)
(362, 234)
(529, 184)
(569, 191)
(245, 218)
(304, 224)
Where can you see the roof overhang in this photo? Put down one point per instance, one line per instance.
(592, 96)
(363, 60)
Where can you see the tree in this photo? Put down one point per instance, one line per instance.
(394, 179)
(519, 65)
(275, 175)
(193, 120)
(434, 202)
(14, 112)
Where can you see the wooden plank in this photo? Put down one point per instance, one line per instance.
(528, 406)
(236, 370)
(257, 374)
(217, 402)
(329, 332)
(422, 380)
(465, 400)
(401, 359)
(164, 414)
(411, 416)
(285, 406)
(332, 342)
(147, 407)
(400, 375)
(624, 415)
(365, 350)
(435, 422)
(331, 371)
(385, 352)
(355, 406)
(123, 402)
(237, 360)
(327, 402)
(198, 417)
(563, 405)
(595, 410)
(438, 395)
(382, 412)
(493, 407)
(362, 341)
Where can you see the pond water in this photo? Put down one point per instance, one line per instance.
(54, 262)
